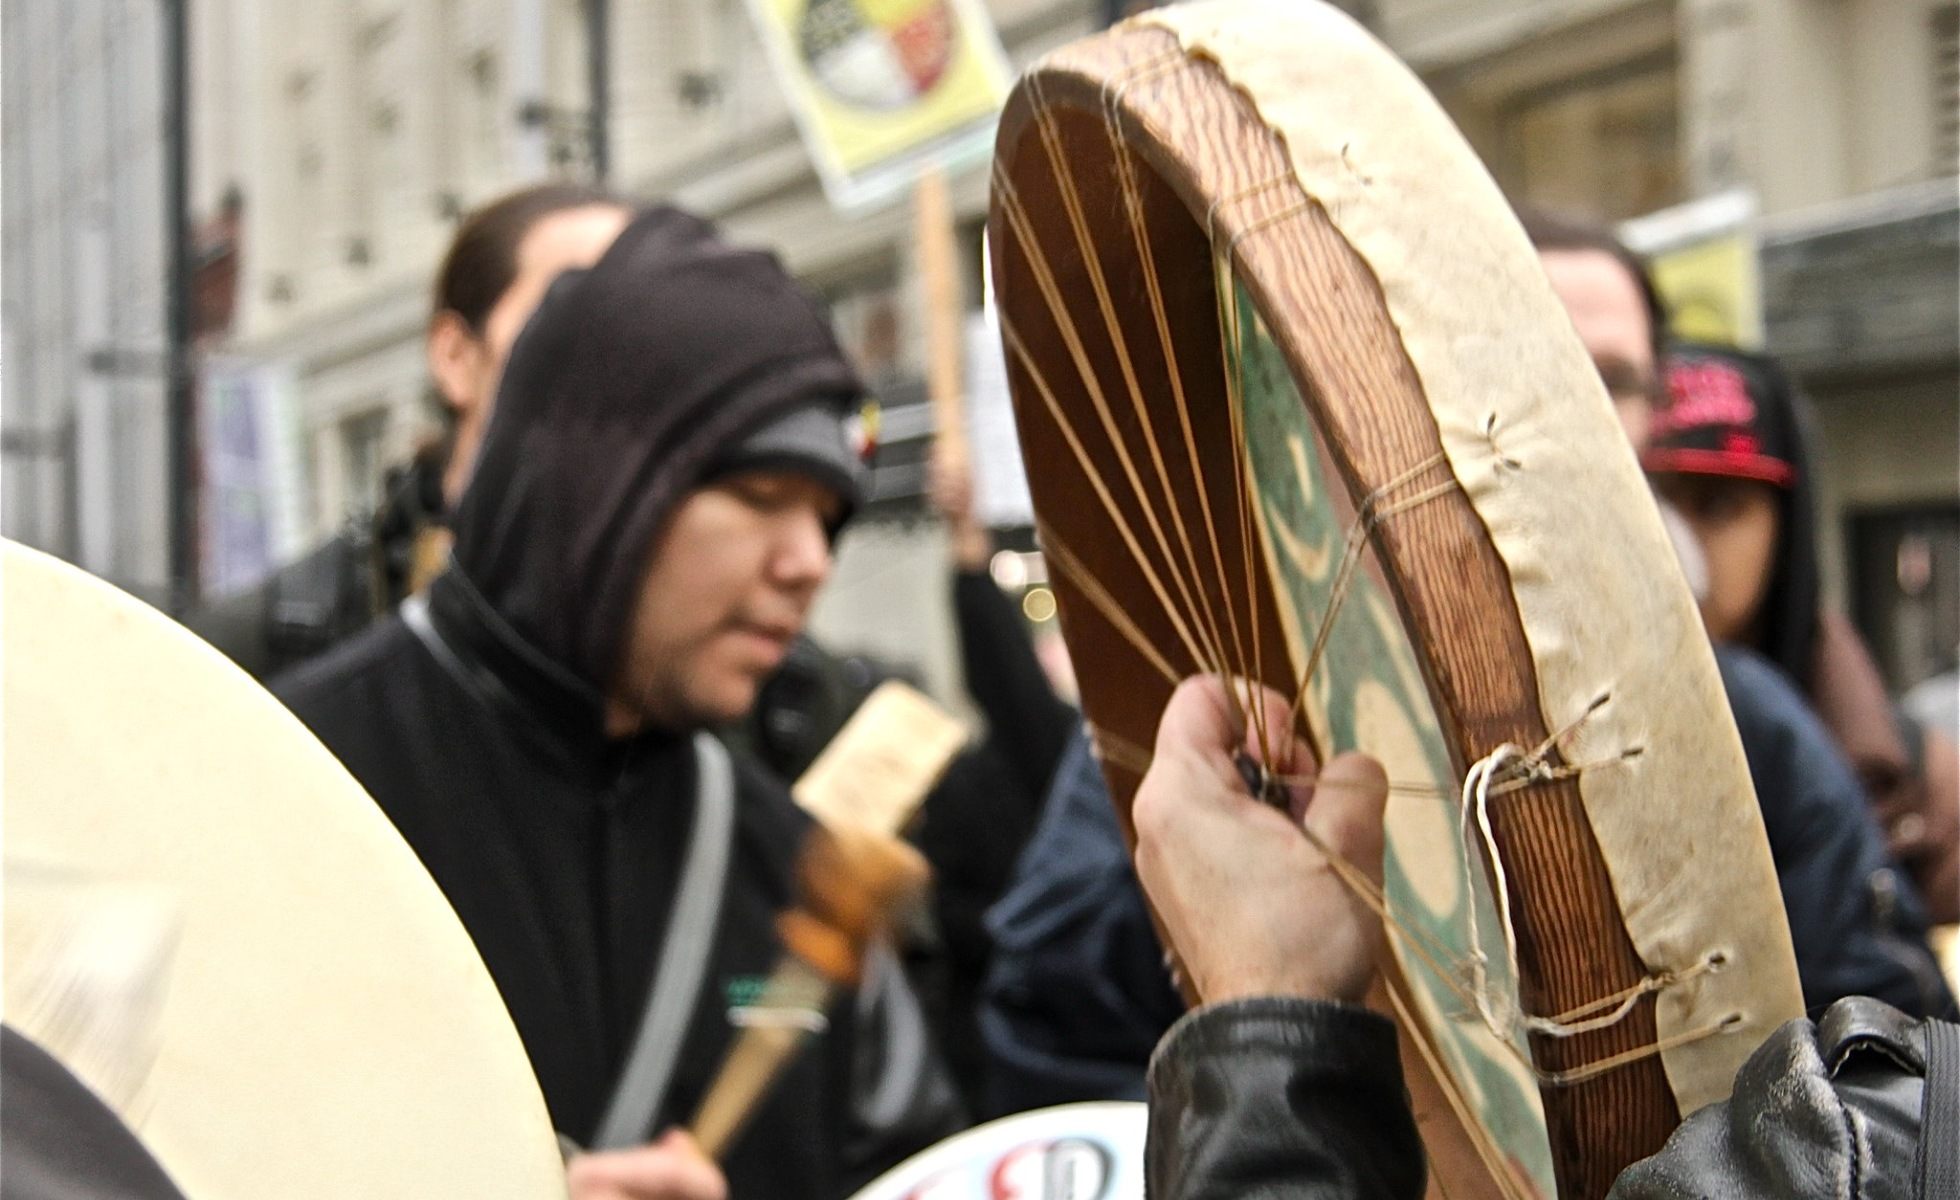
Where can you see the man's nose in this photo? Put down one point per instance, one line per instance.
(802, 559)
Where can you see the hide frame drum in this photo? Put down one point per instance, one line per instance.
(1297, 403)
(213, 926)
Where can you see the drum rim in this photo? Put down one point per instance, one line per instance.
(1153, 105)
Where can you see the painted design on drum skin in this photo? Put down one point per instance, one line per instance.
(1368, 695)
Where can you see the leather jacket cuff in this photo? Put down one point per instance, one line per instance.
(1281, 1097)
(1342, 1038)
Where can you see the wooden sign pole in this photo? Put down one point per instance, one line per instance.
(939, 274)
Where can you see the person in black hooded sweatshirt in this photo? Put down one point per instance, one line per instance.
(651, 516)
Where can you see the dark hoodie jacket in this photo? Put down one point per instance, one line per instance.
(481, 734)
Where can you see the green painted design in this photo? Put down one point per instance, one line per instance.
(1368, 695)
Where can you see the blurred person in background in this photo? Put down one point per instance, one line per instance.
(1730, 452)
(651, 514)
(976, 821)
(1077, 991)
(802, 707)
(1028, 719)
(499, 263)
(1857, 924)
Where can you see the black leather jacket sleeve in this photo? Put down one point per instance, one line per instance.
(1299, 1099)
(1825, 1109)
(1277, 1097)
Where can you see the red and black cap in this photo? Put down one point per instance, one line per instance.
(1737, 415)
(1725, 417)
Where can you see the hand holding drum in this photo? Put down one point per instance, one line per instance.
(1252, 907)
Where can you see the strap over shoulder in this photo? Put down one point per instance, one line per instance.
(684, 953)
(1938, 1169)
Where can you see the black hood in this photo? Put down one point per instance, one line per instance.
(1737, 415)
(629, 383)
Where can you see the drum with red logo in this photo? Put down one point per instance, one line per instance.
(1072, 1152)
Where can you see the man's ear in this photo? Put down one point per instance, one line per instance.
(456, 356)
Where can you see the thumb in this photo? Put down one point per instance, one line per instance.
(1198, 719)
(1349, 805)
(680, 1142)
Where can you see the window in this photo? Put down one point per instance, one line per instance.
(304, 216)
(1906, 588)
(1606, 143)
(381, 178)
(484, 127)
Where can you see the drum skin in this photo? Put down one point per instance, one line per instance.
(304, 1016)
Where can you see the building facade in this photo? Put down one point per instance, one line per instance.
(1840, 120)
(83, 463)
(357, 133)
(343, 140)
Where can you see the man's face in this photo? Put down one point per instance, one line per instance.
(1738, 523)
(1607, 309)
(732, 579)
(468, 366)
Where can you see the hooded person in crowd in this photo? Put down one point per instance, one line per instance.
(1731, 453)
(651, 515)
(502, 257)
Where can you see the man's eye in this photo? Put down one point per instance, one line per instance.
(757, 495)
(1628, 387)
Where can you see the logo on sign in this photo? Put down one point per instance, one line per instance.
(1050, 1169)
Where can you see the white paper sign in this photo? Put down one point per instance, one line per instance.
(1000, 481)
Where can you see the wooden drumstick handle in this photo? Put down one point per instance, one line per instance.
(760, 1053)
(853, 880)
